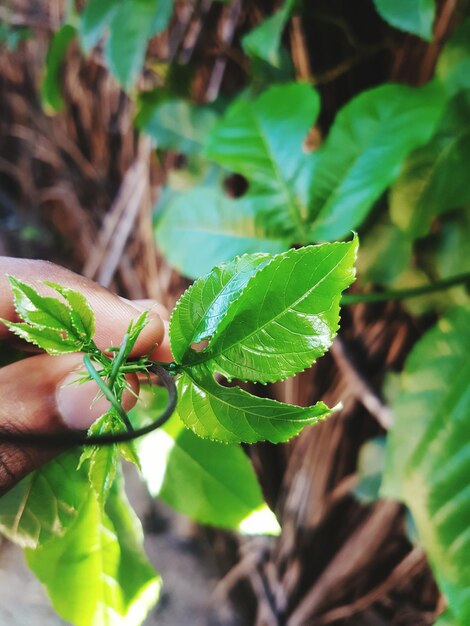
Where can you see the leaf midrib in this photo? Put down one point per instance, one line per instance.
(282, 184)
(432, 431)
(271, 419)
(208, 356)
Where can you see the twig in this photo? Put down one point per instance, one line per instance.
(404, 570)
(120, 219)
(231, 17)
(404, 294)
(352, 557)
(266, 601)
(299, 50)
(360, 387)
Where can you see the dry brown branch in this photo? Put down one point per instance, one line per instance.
(405, 570)
(351, 558)
(360, 387)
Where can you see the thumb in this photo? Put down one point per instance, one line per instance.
(37, 396)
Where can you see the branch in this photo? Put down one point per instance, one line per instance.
(404, 294)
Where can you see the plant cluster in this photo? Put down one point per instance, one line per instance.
(265, 304)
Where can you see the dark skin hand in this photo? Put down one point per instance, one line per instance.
(34, 394)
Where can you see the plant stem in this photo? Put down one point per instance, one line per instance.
(403, 294)
(108, 394)
(118, 361)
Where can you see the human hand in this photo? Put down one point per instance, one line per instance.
(34, 392)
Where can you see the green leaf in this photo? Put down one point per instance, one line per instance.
(434, 179)
(204, 305)
(102, 470)
(177, 124)
(231, 415)
(370, 138)
(446, 619)
(451, 247)
(202, 228)
(384, 254)
(285, 318)
(264, 41)
(82, 316)
(48, 339)
(141, 589)
(369, 471)
(453, 65)
(132, 25)
(49, 323)
(51, 93)
(96, 572)
(412, 16)
(40, 311)
(96, 16)
(135, 328)
(101, 461)
(262, 140)
(212, 483)
(428, 452)
(44, 504)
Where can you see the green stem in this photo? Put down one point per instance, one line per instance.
(108, 394)
(118, 361)
(403, 294)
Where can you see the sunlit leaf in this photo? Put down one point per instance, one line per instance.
(285, 318)
(204, 305)
(212, 483)
(96, 572)
(232, 415)
(44, 504)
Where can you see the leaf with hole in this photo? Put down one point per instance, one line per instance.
(284, 319)
(263, 140)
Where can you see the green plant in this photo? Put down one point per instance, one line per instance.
(265, 318)
(392, 164)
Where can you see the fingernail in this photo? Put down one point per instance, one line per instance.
(78, 404)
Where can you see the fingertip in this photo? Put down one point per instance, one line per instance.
(162, 352)
(151, 336)
(79, 405)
